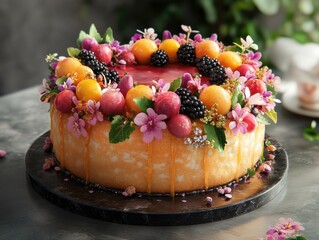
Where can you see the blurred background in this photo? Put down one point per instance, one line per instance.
(32, 29)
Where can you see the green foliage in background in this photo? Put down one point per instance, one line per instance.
(263, 20)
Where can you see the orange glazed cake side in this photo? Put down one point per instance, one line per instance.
(165, 166)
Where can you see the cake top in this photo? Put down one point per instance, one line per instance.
(192, 85)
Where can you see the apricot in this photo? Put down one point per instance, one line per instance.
(170, 46)
(66, 67)
(215, 94)
(88, 89)
(207, 47)
(230, 59)
(137, 92)
(142, 50)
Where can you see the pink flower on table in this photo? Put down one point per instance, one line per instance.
(237, 117)
(93, 113)
(151, 124)
(289, 226)
(76, 125)
(166, 35)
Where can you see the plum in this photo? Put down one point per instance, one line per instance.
(180, 126)
(103, 53)
(63, 101)
(167, 103)
(112, 103)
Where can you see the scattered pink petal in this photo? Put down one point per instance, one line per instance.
(228, 196)
(129, 191)
(2, 153)
(57, 168)
(209, 201)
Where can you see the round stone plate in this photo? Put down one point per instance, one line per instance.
(70, 194)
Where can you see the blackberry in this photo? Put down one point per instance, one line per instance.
(159, 58)
(112, 76)
(191, 106)
(186, 54)
(97, 67)
(86, 56)
(218, 75)
(205, 64)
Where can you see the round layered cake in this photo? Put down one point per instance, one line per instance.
(177, 114)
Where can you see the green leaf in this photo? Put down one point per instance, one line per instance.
(143, 103)
(175, 84)
(238, 97)
(271, 89)
(108, 35)
(217, 135)
(121, 129)
(262, 119)
(82, 35)
(272, 115)
(95, 34)
(251, 172)
(73, 52)
(61, 80)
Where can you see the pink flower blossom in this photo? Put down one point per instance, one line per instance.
(198, 38)
(117, 48)
(162, 86)
(76, 125)
(237, 117)
(236, 76)
(166, 35)
(252, 58)
(151, 124)
(136, 36)
(288, 225)
(270, 79)
(286, 228)
(195, 85)
(67, 85)
(93, 112)
(256, 99)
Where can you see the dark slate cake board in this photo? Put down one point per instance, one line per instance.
(152, 210)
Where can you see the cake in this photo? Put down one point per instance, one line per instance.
(179, 114)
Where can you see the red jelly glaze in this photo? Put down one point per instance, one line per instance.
(145, 74)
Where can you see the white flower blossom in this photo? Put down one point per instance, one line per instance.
(249, 43)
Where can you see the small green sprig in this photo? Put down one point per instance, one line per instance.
(311, 133)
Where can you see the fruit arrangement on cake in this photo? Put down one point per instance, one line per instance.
(177, 114)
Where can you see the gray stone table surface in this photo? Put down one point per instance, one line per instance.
(24, 214)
